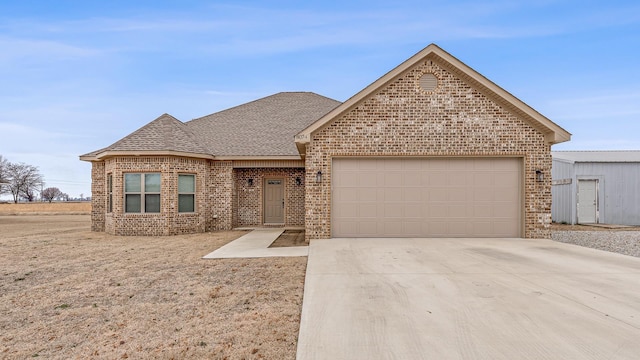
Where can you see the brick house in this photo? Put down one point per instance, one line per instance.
(430, 149)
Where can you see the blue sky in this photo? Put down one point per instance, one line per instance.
(79, 75)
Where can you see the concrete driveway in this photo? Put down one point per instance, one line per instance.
(468, 299)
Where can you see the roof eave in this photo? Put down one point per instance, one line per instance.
(111, 153)
(257, 157)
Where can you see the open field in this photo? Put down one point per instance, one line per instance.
(71, 207)
(66, 292)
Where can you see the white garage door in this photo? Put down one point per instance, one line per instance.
(409, 197)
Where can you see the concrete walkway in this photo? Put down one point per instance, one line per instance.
(256, 244)
(468, 299)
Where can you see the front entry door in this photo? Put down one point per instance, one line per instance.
(274, 201)
(587, 201)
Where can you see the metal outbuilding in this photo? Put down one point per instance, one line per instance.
(596, 187)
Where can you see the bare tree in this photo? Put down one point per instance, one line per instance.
(4, 177)
(51, 193)
(24, 181)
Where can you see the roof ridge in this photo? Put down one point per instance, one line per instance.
(256, 100)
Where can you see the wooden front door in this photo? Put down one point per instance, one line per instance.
(274, 201)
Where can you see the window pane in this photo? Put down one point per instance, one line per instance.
(152, 203)
(131, 182)
(151, 183)
(132, 203)
(186, 183)
(110, 193)
(185, 203)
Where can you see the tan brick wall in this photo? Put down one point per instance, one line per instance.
(98, 196)
(248, 209)
(401, 119)
(223, 199)
(220, 195)
(168, 221)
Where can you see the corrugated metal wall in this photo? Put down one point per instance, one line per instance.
(618, 191)
(563, 192)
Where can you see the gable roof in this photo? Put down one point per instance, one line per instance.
(264, 127)
(597, 156)
(553, 133)
(258, 129)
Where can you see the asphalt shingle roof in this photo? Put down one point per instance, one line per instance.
(165, 133)
(264, 127)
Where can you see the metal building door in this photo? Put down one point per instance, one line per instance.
(587, 201)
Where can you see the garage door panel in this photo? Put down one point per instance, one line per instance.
(393, 178)
(369, 228)
(502, 210)
(413, 210)
(506, 195)
(393, 228)
(436, 210)
(505, 180)
(504, 228)
(446, 197)
(482, 228)
(412, 228)
(412, 195)
(459, 211)
(359, 164)
(345, 194)
(367, 210)
(482, 210)
(438, 194)
(393, 194)
(458, 179)
(457, 228)
(482, 194)
(365, 179)
(457, 194)
(438, 179)
(393, 210)
(366, 194)
(412, 179)
(347, 211)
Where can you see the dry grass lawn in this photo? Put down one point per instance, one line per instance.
(45, 208)
(68, 293)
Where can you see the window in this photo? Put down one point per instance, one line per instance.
(186, 193)
(109, 193)
(142, 193)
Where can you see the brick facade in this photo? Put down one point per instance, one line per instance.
(249, 202)
(98, 196)
(220, 195)
(223, 198)
(169, 221)
(402, 119)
